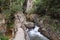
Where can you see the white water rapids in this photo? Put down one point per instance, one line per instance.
(35, 35)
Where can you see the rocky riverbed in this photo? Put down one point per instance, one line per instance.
(22, 25)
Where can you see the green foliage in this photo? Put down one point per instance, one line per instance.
(48, 7)
(13, 5)
(10, 20)
(56, 27)
(17, 5)
(9, 8)
(4, 38)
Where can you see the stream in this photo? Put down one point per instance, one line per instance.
(35, 35)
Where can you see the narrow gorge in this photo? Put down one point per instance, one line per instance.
(29, 20)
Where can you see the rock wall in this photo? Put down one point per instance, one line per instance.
(21, 33)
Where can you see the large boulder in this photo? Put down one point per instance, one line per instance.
(21, 33)
(29, 24)
(32, 17)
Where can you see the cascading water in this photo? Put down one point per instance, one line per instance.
(35, 35)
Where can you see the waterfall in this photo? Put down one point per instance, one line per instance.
(35, 35)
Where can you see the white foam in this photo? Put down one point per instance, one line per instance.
(34, 32)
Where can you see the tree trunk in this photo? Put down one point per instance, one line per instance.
(29, 5)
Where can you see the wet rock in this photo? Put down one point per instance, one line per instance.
(47, 30)
(29, 25)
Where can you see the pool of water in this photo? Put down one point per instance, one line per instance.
(35, 35)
